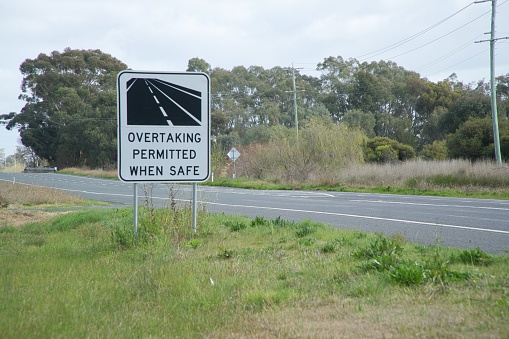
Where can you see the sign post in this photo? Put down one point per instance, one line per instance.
(163, 128)
(234, 155)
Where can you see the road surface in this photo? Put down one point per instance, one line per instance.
(456, 222)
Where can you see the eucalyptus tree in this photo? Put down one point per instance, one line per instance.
(69, 117)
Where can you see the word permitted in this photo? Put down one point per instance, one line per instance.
(164, 127)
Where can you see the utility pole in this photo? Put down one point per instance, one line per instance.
(494, 113)
(295, 104)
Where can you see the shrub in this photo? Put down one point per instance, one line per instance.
(476, 257)
(305, 228)
(235, 226)
(383, 149)
(407, 273)
(436, 151)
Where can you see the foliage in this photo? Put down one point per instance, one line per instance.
(474, 256)
(435, 151)
(383, 149)
(380, 246)
(69, 115)
(70, 111)
(474, 139)
(323, 147)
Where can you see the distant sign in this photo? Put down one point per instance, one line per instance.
(163, 126)
(233, 154)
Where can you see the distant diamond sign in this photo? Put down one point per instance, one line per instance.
(163, 126)
(233, 154)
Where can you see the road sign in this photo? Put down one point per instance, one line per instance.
(233, 154)
(163, 126)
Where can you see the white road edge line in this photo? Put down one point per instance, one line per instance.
(434, 205)
(299, 211)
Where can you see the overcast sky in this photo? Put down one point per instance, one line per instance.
(434, 37)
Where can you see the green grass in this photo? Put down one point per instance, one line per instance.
(83, 275)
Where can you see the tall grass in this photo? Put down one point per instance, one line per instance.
(425, 174)
(15, 193)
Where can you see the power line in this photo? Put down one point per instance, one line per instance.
(458, 63)
(404, 41)
(445, 56)
(440, 37)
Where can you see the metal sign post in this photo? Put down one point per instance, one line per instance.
(135, 203)
(195, 189)
(234, 155)
(163, 129)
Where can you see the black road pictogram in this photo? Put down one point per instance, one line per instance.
(157, 102)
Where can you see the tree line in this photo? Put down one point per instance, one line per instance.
(69, 118)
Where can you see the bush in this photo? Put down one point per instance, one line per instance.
(473, 140)
(383, 149)
(436, 151)
(323, 147)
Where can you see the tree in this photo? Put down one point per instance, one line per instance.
(474, 140)
(198, 65)
(472, 104)
(383, 149)
(364, 121)
(435, 151)
(70, 113)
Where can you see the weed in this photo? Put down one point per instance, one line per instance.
(407, 273)
(305, 228)
(475, 257)
(225, 253)
(259, 221)
(380, 246)
(306, 241)
(343, 241)
(194, 243)
(380, 263)
(122, 237)
(329, 247)
(278, 222)
(235, 226)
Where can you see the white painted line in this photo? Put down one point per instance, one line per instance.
(433, 205)
(365, 217)
(157, 101)
(300, 211)
(162, 110)
(182, 108)
(127, 90)
(178, 89)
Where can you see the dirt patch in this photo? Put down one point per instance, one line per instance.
(18, 216)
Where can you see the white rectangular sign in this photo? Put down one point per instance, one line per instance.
(163, 126)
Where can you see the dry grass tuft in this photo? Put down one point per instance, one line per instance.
(99, 173)
(18, 215)
(34, 195)
(400, 174)
(15, 197)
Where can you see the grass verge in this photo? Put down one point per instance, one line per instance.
(83, 275)
(452, 178)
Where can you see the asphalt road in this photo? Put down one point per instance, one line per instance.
(462, 223)
(157, 102)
